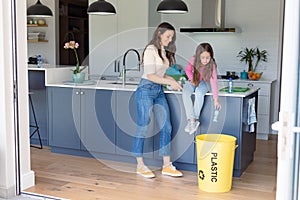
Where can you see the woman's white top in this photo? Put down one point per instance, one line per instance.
(153, 64)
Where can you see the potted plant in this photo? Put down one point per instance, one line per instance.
(252, 57)
(77, 76)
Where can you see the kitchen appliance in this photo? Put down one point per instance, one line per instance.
(229, 74)
(213, 18)
(32, 60)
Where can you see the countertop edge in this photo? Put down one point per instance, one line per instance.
(104, 86)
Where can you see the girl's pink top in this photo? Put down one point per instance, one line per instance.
(213, 80)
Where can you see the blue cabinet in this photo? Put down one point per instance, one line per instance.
(81, 119)
(64, 117)
(182, 144)
(97, 121)
(230, 122)
(125, 120)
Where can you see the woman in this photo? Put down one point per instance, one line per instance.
(157, 57)
(201, 70)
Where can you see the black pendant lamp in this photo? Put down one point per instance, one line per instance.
(172, 7)
(39, 10)
(101, 7)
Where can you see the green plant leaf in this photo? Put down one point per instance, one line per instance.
(250, 55)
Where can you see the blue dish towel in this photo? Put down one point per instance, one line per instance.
(251, 111)
(249, 117)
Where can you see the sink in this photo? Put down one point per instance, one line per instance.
(127, 83)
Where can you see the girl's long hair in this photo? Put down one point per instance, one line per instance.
(208, 69)
(170, 49)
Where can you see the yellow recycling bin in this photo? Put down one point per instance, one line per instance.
(215, 159)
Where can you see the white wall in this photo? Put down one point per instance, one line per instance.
(46, 49)
(27, 176)
(261, 24)
(260, 27)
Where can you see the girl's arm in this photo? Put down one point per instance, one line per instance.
(214, 87)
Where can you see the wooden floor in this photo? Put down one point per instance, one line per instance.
(81, 178)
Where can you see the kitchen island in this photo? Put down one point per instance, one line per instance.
(98, 118)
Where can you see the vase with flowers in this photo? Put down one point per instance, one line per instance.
(77, 75)
(252, 57)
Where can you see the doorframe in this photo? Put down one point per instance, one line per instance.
(8, 165)
(7, 145)
(288, 103)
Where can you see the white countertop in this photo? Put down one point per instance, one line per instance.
(55, 73)
(47, 66)
(61, 76)
(109, 85)
(262, 80)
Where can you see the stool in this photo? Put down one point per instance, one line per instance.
(35, 126)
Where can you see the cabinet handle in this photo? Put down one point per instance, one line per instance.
(250, 85)
(77, 93)
(81, 92)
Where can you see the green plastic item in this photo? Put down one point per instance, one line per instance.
(235, 89)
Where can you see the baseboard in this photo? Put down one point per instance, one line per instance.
(262, 136)
(273, 137)
(8, 192)
(274, 132)
(27, 180)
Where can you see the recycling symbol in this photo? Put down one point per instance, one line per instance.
(201, 174)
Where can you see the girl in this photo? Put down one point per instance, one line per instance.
(200, 70)
(157, 57)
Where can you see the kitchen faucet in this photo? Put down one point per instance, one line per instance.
(124, 66)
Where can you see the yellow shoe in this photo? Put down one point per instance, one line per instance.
(171, 170)
(145, 172)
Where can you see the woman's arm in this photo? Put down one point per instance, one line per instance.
(164, 80)
(150, 56)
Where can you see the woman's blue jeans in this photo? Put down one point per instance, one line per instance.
(193, 111)
(150, 98)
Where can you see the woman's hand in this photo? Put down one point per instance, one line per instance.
(175, 85)
(217, 104)
(166, 80)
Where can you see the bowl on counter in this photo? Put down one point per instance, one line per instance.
(254, 75)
